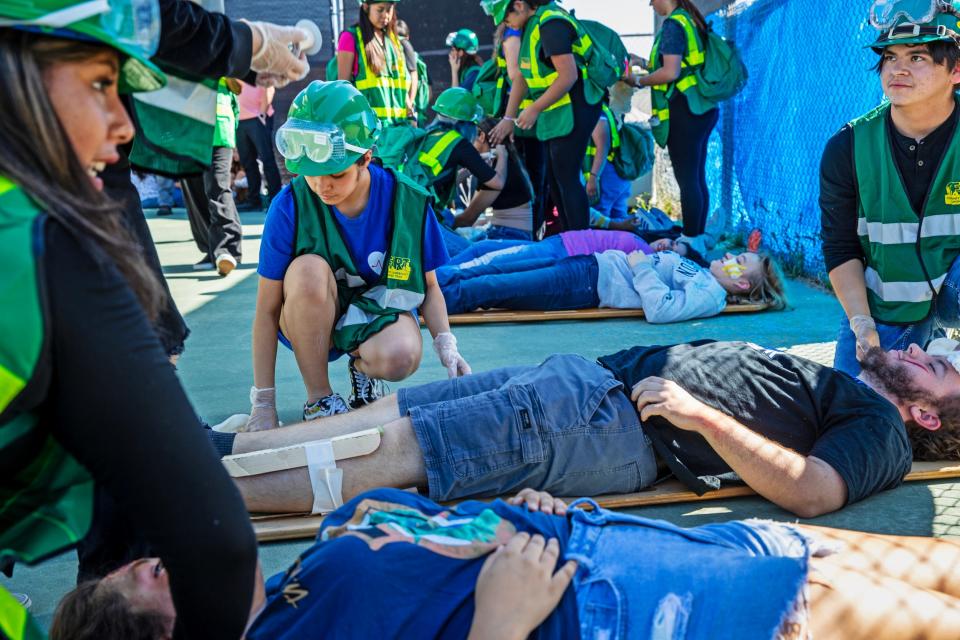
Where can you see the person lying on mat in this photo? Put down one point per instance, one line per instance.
(577, 573)
(348, 257)
(563, 245)
(802, 435)
(668, 287)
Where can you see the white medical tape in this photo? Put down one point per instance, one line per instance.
(947, 348)
(325, 479)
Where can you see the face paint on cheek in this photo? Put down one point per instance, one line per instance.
(732, 268)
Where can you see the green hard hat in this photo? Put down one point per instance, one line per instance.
(464, 39)
(496, 9)
(913, 22)
(132, 27)
(329, 126)
(459, 104)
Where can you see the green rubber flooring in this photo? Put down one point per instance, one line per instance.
(216, 371)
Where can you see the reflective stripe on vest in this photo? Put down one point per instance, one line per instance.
(15, 622)
(387, 94)
(660, 94)
(431, 157)
(908, 253)
(614, 138)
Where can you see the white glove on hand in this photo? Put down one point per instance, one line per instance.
(445, 344)
(274, 56)
(865, 330)
(263, 412)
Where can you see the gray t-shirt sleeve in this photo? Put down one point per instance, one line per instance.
(409, 55)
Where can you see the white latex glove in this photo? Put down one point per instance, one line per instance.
(445, 344)
(263, 412)
(274, 55)
(865, 330)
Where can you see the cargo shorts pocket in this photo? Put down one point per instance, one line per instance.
(492, 432)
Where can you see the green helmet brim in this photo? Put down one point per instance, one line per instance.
(304, 166)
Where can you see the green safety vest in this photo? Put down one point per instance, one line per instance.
(366, 310)
(907, 255)
(46, 495)
(686, 83)
(434, 157)
(387, 92)
(175, 127)
(462, 76)
(501, 93)
(15, 622)
(228, 112)
(556, 120)
(614, 143)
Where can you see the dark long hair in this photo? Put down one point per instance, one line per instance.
(93, 611)
(376, 56)
(36, 154)
(489, 124)
(698, 19)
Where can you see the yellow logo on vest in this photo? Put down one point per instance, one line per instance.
(952, 197)
(399, 269)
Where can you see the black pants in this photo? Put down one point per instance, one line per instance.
(687, 143)
(564, 166)
(534, 157)
(255, 140)
(170, 325)
(214, 221)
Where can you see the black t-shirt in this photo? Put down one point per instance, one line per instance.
(807, 407)
(516, 191)
(557, 38)
(917, 163)
(113, 401)
(464, 155)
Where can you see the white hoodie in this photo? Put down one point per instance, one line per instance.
(668, 287)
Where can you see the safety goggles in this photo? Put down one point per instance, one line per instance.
(319, 142)
(884, 14)
(132, 23)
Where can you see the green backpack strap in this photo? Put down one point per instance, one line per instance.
(723, 74)
(485, 87)
(423, 85)
(636, 155)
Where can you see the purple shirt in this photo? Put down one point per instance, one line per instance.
(590, 241)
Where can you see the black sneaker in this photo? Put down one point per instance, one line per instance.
(164, 211)
(204, 264)
(324, 407)
(364, 389)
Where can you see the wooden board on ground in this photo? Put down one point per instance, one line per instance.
(507, 315)
(294, 527)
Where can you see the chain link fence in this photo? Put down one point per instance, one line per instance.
(809, 74)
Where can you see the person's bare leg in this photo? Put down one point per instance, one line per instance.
(848, 604)
(392, 354)
(397, 463)
(379, 413)
(307, 319)
(925, 563)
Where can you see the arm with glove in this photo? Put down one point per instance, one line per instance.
(434, 311)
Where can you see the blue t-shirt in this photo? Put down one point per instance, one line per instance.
(392, 564)
(367, 236)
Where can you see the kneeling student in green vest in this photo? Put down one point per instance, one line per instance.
(890, 191)
(347, 258)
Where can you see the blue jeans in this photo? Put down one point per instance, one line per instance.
(453, 241)
(614, 193)
(944, 315)
(504, 252)
(496, 232)
(565, 426)
(641, 578)
(540, 284)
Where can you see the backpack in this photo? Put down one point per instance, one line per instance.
(485, 87)
(722, 74)
(422, 100)
(609, 58)
(635, 156)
